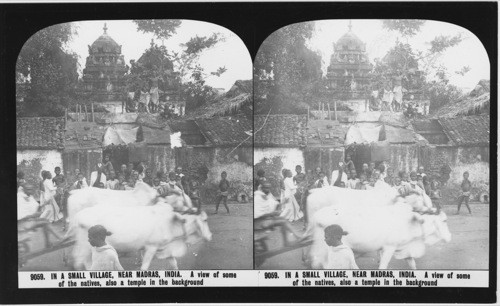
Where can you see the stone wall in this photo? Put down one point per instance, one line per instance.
(475, 160)
(210, 162)
(404, 157)
(160, 158)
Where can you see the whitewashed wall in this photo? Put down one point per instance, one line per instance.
(290, 157)
(48, 159)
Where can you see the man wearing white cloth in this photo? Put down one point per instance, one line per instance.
(338, 176)
(27, 206)
(266, 212)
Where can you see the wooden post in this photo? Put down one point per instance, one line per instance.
(86, 113)
(66, 114)
(329, 114)
(335, 109)
(92, 109)
(78, 112)
(308, 114)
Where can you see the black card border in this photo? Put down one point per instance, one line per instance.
(253, 22)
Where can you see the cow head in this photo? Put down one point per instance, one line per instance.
(434, 227)
(195, 226)
(180, 202)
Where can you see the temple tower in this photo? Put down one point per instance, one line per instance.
(103, 76)
(348, 72)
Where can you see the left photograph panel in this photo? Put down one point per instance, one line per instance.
(134, 147)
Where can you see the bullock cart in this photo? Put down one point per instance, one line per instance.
(37, 237)
(261, 244)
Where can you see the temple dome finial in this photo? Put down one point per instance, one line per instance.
(105, 28)
(350, 25)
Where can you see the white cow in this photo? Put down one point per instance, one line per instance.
(333, 196)
(141, 195)
(156, 230)
(392, 230)
(79, 199)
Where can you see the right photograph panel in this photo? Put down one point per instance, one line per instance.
(371, 147)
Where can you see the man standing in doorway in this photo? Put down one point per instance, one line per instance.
(339, 175)
(97, 176)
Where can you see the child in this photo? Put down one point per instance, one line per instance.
(349, 164)
(104, 256)
(435, 194)
(322, 180)
(466, 186)
(108, 166)
(223, 188)
(340, 256)
(80, 182)
(112, 181)
(121, 182)
(60, 182)
(361, 182)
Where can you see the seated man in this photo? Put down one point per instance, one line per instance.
(267, 213)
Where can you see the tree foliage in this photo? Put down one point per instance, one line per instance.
(194, 89)
(188, 71)
(406, 27)
(287, 73)
(161, 28)
(419, 71)
(154, 64)
(50, 71)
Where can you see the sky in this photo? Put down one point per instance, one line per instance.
(231, 53)
(470, 52)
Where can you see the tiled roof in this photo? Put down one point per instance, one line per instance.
(84, 135)
(470, 105)
(236, 101)
(427, 125)
(226, 130)
(155, 136)
(399, 135)
(40, 133)
(467, 130)
(326, 133)
(280, 131)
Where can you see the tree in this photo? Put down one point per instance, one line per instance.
(50, 71)
(161, 28)
(287, 73)
(155, 64)
(406, 27)
(195, 91)
(419, 71)
(189, 72)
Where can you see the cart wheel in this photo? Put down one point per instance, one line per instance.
(23, 249)
(258, 261)
(65, 258)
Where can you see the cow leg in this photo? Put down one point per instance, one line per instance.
(411, 263)
(149, 253)
(387, 253)
(172, 262)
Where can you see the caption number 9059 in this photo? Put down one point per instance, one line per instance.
(38, 276)
(270, 275)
